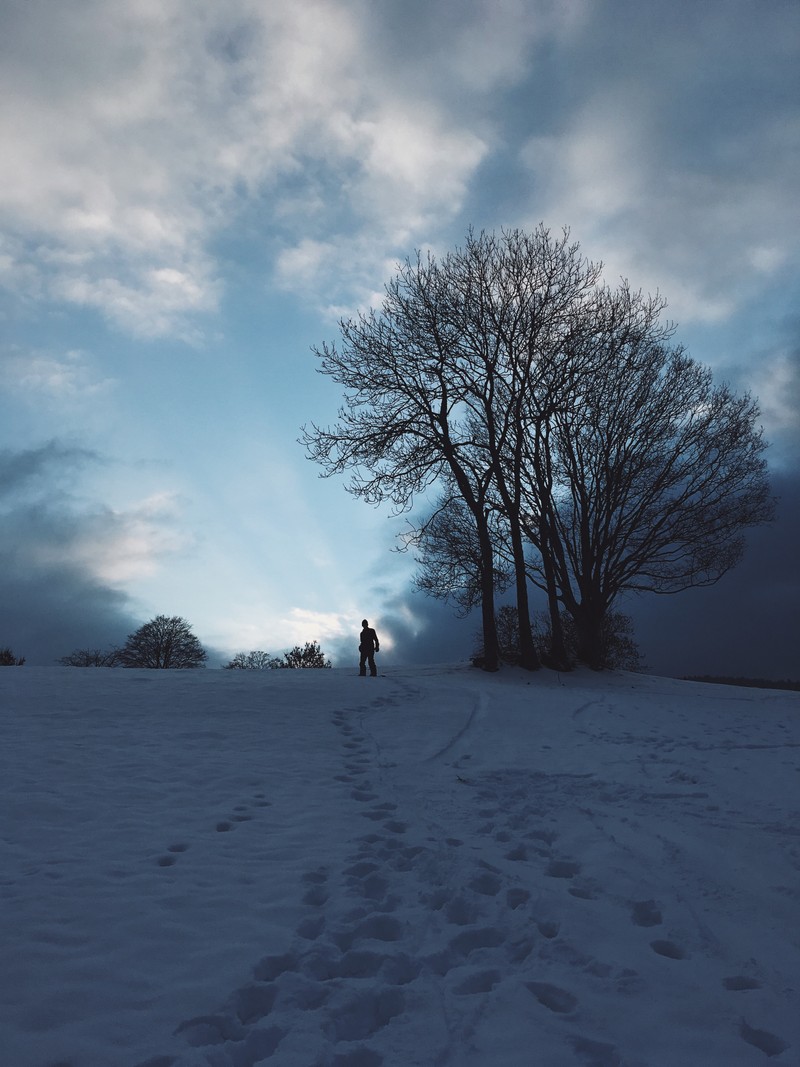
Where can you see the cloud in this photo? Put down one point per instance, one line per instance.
(746, 624)
(123, 163)
(680, 176)
(63, 562)
(66, 378)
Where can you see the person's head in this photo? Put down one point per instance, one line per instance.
(364, 623)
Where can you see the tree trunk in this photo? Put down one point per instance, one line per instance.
(589, 624)
(528, 656)
(491, 646)
(558, 657)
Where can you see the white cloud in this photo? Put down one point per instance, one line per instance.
(702, 232)
(64, 378)
(121, 163)
(120, 546)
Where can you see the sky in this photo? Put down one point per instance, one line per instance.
(193, 194)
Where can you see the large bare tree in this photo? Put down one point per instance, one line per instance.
(409, 415)
(557, 416)
(655, 473)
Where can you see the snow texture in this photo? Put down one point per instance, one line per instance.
(433, 867)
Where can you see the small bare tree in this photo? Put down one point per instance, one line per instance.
(253, 661)
(92, 657)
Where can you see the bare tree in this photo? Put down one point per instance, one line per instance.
(409, 414)
(8, 659)
(448, 551)
(92, 657)
(553, 411)
(656, 474)
(253, 661)
(163, 643)
(445, 381)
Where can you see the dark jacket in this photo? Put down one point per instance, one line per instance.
(369, 641)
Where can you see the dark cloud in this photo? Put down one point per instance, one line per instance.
(50, 603)
(747, 625)
(413, 629)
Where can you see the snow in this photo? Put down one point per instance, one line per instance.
(436, 866)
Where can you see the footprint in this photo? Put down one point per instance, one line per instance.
(646, 913)
(316, 897)
(668, 949)
(481, 982)
(770, 1044)
(548, 929)
(272, 967)
(553, 997)
(166, 861)
(460, 912)
(739, 981)
(518, 951)
(178, 847)
(366, 1014)
(395, 826)
(211, 1030)
(563, 869)
(516, 897)
(400, 969)
(360, 869)
(480, 937)
(224, 826)
(487, 884)
(597, 1053)
(254, 1002)
(310, 929)
(380, 928)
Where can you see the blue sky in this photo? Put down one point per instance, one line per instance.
(192, 194)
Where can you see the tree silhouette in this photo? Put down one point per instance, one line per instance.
(253, 661)
(92, 657)
(575, 446)
(163, 643)
(310, 655)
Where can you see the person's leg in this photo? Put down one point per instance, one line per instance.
(362, 664)
(373, 670)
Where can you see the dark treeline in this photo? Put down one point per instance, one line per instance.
(575, 448)
(751, 683)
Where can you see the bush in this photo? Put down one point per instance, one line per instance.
(310, 655)
(619, 650)
(8, 659)
(92, 657)
(253, 661)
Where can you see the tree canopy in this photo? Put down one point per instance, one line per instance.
(575, 446)
(164, 643)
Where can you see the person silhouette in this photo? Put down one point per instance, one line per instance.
(368, 645)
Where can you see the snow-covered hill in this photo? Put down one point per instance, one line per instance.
(434, 867)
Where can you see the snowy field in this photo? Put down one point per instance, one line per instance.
(435, 867)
